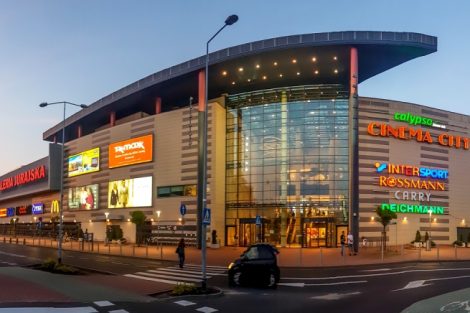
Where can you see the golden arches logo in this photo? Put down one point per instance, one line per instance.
(55, 207)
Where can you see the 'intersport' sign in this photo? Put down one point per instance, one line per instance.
(416, 119)
(412, 208)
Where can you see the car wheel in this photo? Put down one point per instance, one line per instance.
(272, 281)
(236, 278)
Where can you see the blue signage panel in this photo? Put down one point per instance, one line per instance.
(183, 209)
(38, 208)
(11, 212)
(206, 216)
(258, 220)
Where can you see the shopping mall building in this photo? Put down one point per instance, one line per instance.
(295, 156)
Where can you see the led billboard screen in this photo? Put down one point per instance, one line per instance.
(83, 198)
(129, 193)
(132, 151)
(84, 162)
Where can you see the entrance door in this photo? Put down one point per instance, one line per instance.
(315, 234)
(231, 235)
(250, 233)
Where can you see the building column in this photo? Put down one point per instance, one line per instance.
(79, 131)
(158, 105)
(354, 148)
(201, 151)
(112, 119)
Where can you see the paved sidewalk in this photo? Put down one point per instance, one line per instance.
(288, 257)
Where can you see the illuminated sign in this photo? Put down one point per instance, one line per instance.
(409, 170)
(3, 212)
(38, 208)
(408, 133)
(412, 195)
(395, 182)
(23, 210)
(127, 193)
(11, 211)
(132, 151)
(416, 119)
(412, 208)
(23, 178)
(84, 198)
(84, 162)
(55, 207)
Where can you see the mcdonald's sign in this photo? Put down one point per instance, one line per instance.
(55, 207)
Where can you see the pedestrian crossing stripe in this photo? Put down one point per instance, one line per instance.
(175, 275)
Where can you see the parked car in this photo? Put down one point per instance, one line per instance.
(256, 266)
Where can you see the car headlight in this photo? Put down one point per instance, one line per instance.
(231, 265)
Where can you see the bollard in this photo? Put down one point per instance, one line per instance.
(10, 239)
(321, 256)
(24, 241)
(455, 251)
(300, 256)
(16, 240)
(437, 253)
(161, 251)
(98, 247)
(147, 251)
(120, 249)
(133, 250)
(419, 254)
(109, 248)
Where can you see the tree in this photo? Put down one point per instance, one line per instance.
(138, 218)
(385, 217)
(418, 236)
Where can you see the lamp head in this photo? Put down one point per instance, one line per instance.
(83, 106)
(232, 19)
(43, 104)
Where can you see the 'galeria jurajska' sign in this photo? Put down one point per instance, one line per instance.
(420, 135)
(23, 178)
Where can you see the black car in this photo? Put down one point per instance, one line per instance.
(256, 266)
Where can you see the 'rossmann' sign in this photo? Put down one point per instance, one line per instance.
(23, 178)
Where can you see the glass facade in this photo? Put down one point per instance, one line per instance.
(287, 166)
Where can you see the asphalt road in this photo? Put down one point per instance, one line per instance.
(378, 288)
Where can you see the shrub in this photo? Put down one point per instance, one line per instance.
(52, 266)
(183, 289)
(418, 236)
(426, 236)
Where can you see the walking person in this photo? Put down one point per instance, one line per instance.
(351, 244)
(180, 252)
(343, 242)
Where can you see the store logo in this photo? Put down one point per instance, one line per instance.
(412, 208)
(38, 208)
(55, 207)
(129, 146)
(409, 170)
(416, 119)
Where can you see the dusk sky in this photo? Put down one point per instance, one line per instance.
(83, 50)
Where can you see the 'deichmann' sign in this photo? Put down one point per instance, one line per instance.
(412, 208)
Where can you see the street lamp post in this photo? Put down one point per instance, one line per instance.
(61, 207)
(202, 179)
(430, 226)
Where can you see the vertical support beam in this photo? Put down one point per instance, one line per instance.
(354, 148)
(284, 171)
(79, 131)
(112, 119)
(201, 152)
(158, 105)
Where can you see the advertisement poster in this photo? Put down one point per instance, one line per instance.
(83, 198)
(130, 193)
(132, 151)
(84, 162)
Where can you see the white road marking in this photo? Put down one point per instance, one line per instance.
(215, 267)
(171, 282)
(322, 284)
(87, 309)
(335, 296)
(168, 276)
(175, 273)
(421, 283)
(103, 303)
(119, 311)
(206, 309)
(378, 270)
(184, 303)
(377, 274)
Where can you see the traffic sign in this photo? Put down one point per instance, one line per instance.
(182, 209)
(258, 220)
(206, 216)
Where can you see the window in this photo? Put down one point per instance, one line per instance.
(177, 191)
